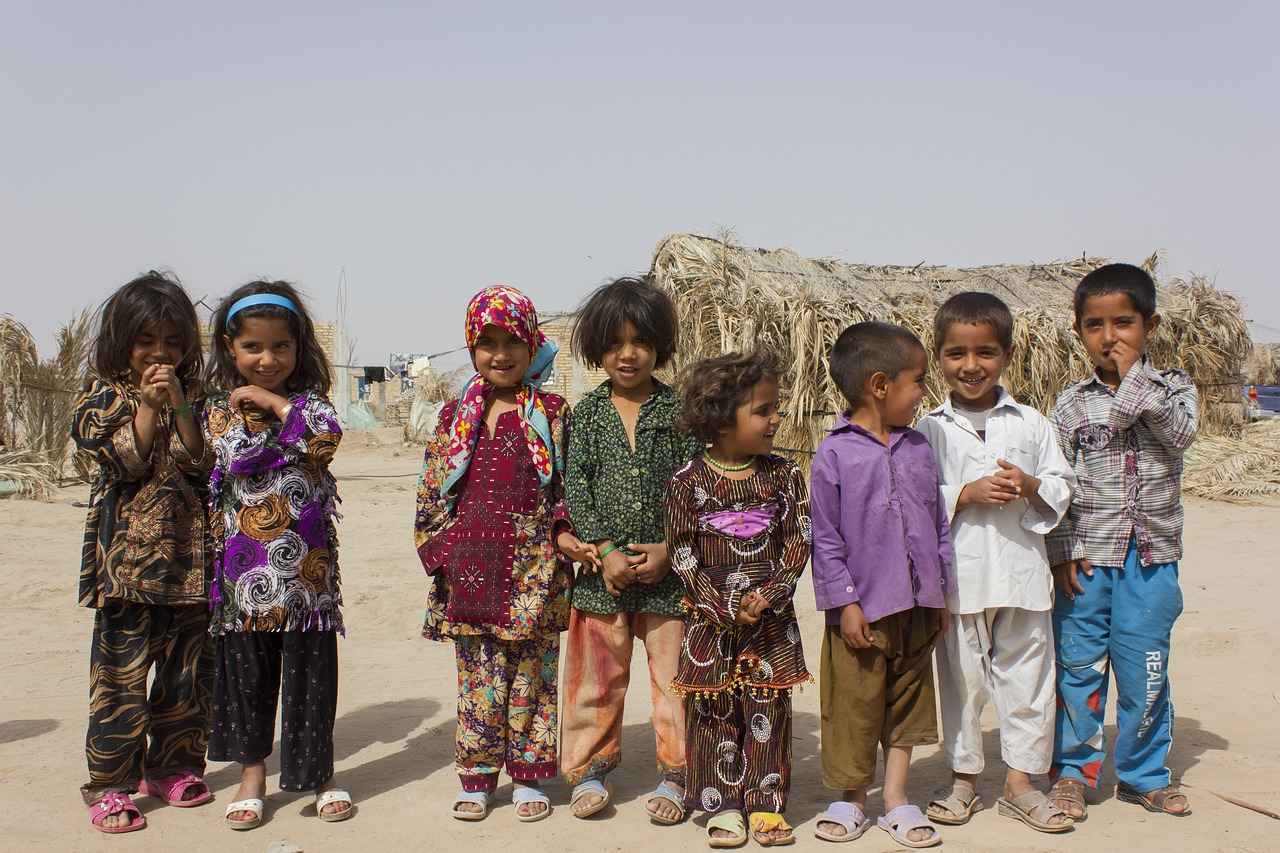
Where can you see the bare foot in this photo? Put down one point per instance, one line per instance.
(253, 786)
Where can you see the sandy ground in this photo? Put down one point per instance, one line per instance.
(396, 720)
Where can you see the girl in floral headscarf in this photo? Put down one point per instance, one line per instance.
(494, 537)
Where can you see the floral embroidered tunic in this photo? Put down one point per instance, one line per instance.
(616, 493)
(487, 544)
(273, 511)
(728, 537)
(146, 539)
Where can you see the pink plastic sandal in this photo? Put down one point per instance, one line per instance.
(114, 803)
(171, 788)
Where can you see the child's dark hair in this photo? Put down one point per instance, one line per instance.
(312, 367)
(711, 390)
(645, 305)
(865, 349)
(974, 308)
(1134, 282)
(151, 298)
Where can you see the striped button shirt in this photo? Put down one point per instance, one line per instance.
(1125, 446)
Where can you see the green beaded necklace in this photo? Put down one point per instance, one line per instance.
(714, 464)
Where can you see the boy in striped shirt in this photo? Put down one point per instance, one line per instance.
(1115, 556)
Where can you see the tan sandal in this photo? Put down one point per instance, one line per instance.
(1154, 801)
(960, 800)
(1035, 810)
(1069, 790)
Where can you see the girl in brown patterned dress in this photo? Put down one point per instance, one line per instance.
(490, 520)
(737, 525)
(146, 556)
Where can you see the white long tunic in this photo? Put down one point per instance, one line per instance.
(1000, 555)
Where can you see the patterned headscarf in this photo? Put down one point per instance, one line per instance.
(511, 311)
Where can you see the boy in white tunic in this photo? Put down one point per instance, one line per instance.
(1006, 484)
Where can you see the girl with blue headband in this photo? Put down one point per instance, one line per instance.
(493, 533)
(275, 596)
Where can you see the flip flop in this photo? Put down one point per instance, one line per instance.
(849, 816)
(479, 798)
(902, 820)
(590, 788)
(530, 794)
(253, 805)
(112, 803)
(171, 788)
(953, 799)
(1159, 799)
(729, 820)
(1035, 810)
(665, 791)
(336, 795)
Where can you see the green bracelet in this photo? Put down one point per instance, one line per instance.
(607, 550)
(188, 408)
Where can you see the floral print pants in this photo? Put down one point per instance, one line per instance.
(506, 709)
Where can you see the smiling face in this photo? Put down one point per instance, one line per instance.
(754, 426)
(500, 357)
(904, 392)
(1111, 319)
(972, 361)
(265, 351)
(158, 343)
(630, 359)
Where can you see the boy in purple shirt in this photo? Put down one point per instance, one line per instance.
(881, 566)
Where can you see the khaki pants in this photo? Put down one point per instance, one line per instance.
(877, 696)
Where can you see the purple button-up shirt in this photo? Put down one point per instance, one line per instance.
(881, 537)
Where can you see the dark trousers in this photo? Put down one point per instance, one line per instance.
(738, 751)
(254, 670)
(133, 732)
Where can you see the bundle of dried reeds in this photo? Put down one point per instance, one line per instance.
(17, 348)
(1227, 468)
(26, 474)
(432, 390)
(49, 389)
(734, 297)
(1263, 367)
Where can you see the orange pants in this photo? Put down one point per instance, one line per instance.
(597, 670)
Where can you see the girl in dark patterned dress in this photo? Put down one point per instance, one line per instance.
(146, 556)
(737, 524)
(490, 519)
(275, 595)
(622, 450)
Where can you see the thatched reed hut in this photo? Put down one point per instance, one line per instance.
(735, 297)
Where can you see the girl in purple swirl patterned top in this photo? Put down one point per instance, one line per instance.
(275, 595)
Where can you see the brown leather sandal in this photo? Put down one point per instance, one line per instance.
(1068, 794)
(1154, 801)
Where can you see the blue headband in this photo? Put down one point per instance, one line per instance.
(261, 299)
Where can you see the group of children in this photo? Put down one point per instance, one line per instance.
(210, 552)
(689, 535)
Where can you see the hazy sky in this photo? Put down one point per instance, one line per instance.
(430, 149)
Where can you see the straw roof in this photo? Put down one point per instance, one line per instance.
(734, 297)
